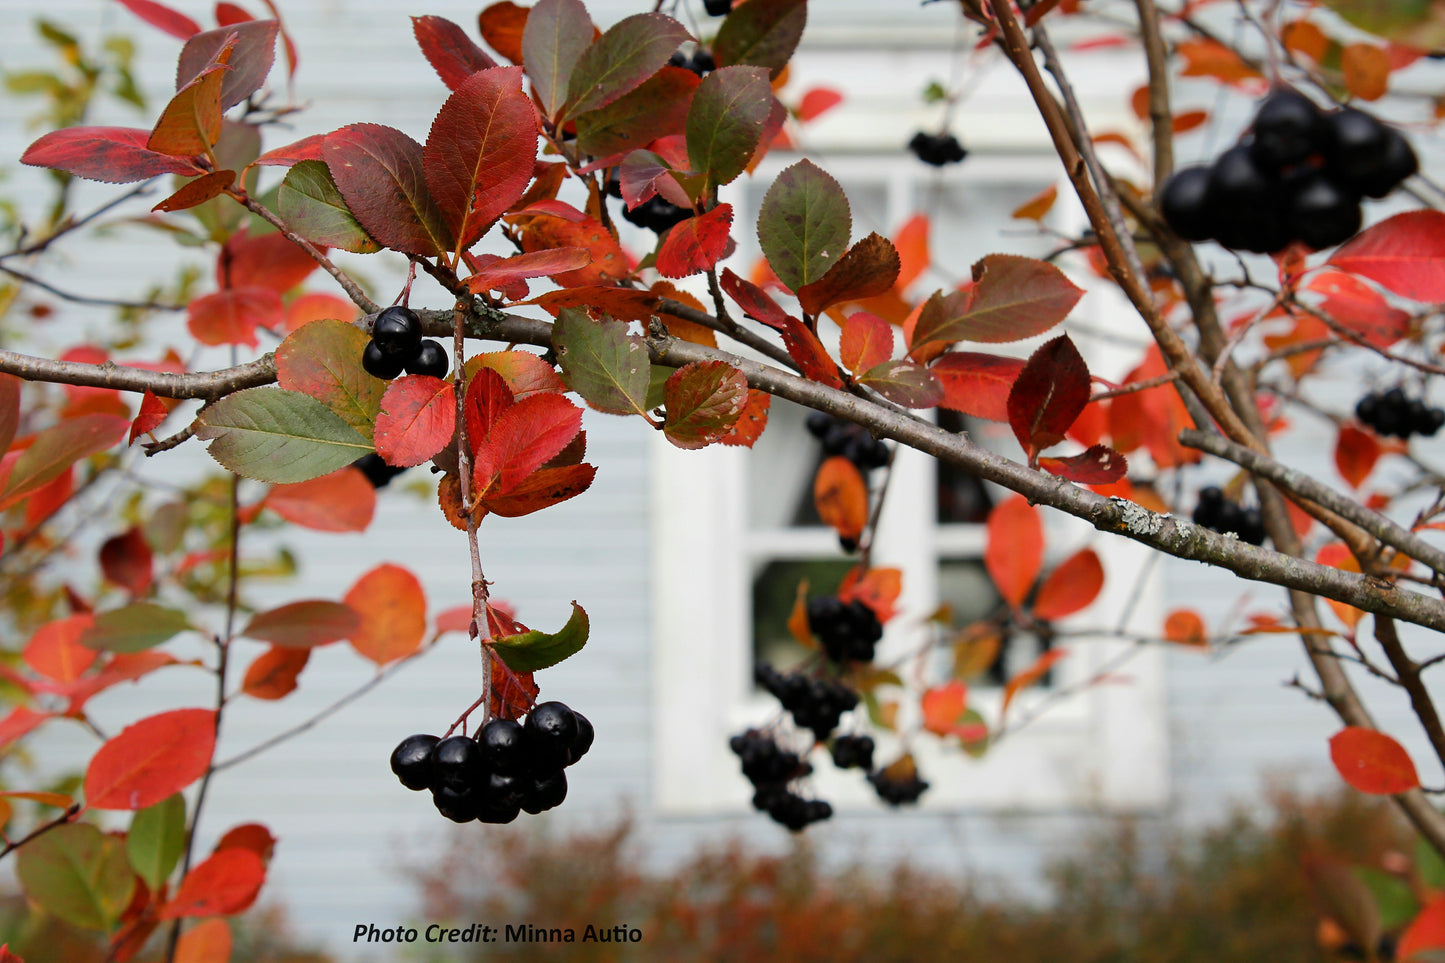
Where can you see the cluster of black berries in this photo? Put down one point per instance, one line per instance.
(396, 345)
(717, 8)
(377, 471)
(851, 441)
(508, 768)
(815, 704)
(701, 62)
(853, 752)
(937, 149)
(846, 631)
(896, 791)
(770, 767)
(657, 214)
(1299, 176)
(1392, 414)
(1219, 514)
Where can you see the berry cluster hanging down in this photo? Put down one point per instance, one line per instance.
(396, 345)
(508, 768)
(1392, 414)
(1299, 176)
(937, 150)
(1219, 514)
(847, 631)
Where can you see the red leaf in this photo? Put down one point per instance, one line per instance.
(696, 244)
(816, 101)
(751, 422)
(265, 261)
(455, 619)
(841, 497)
(196, 192)
(754, 301)
(114, 155)
(1011, 298)
(1404, 254)
(1015, 551)
(250, 61)
(1072, 586)
(496, 273)
(878, 588)
(1029, 676)
(514, 695)
(378, 171)
(125, 560)
(232, 316)
(342, 501)
(126, 667)
(7, 956)
(866, 270)
(228, 14)
(624, 304)
(943, 707)
(392, 607)
(209, 941)
(549, 230)
(1152, 417)
(20, 722)
(150, 760)
(449, 50)
(152, 414)
(1337, 555)
(55, 650)
(1425, 932)
(1099, 465)
(542, 489)
(481, 152)
(487, 397)
(252, 837)
(307, 148)
(867, 341)
(273, 674)
(1372, 762)
(1360, 308)
(190, 123)
(418, 416)
(501, 25)
(160, 16)
(227, 882)
(1185, 627)
(523, 438)
(1049, 393)
(1356, 452)
(977, 384)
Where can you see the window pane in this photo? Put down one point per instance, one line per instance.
(962, 497)
(775, 589)
(964, 585)
(781, 469)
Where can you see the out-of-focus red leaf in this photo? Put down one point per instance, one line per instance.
(274, 672)
(418, 416)
(55, 650)
(817, 101)
(1367, 70)
(20, 721)
(878, 588)
(501, 26)
(449, 50)
(315, 306)
(841, 497)
(943, 707)
(151, 759)
(1036, 207)
(163, 18)
(1015, 551)
(1404, 254)
(1360, 308)
(1210, 58)
(232, 316)
(253, 837)
(209, 941)
(125, 560)
(1337, 555)
(1029, 676)
(264, 261)
(1048, 394)
(1372, 762)
(1356, 452)
(1425, 932)
(392, 607)
(1072, 586)
(1186, 627)
(225, 883)
(343, 501)
(1152, 418)
(304, 624)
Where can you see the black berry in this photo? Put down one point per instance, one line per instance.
(430, 359)
(1184, 205)
(457, 763)
(937, 150)
(583, 740)
(1356, 144)
(656, 214)
(459, 804)
(1288, 128)
(717, 8)
(412, 762)
(545, 792)
(1322, 214)
(397, 332)
(503, 746)
(549, 732)
(377, 471)
(379, 364)
(1396, 162)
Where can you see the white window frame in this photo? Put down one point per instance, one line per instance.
(1103, 748)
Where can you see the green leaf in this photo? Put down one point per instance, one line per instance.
(704, 400)
(156, 839)
(1012, 298)
(314, 208)
(134, 628)
(275, 435)
(761, 33)
(1430, 864)
(904, 383)
(631, 50)
(78, 874)
(656, 109)
(600, 361)
(657, 385)
(323, 359)
(804, 224)
(557, 33)
(725, 122)
(1416, 22)
(531, 651)
(1392, 895)
(301, 625)
(974, 747)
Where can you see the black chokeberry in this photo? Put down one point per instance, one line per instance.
(549, 732)
(937, 150)
(1323, 214)
(703, 62)
(717, 8)
(583, 740)
(1247, 203)
(456, 763)
(545, 792)
(376, 470)
(503, 745)
(818, 424)
(430, 359)
(397, 332)
(853, 752)
(656, 214)
(1396, 162)
(1183, 202)
(457, 803)
(378, 364)
(494, 810)
(897, 791)
(1355, 146)
(411, 760)
(1288, 128)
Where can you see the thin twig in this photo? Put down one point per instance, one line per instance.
(348, 284)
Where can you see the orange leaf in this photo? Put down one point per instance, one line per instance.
(1356, 452)
(1336, 555)
(1366, 69)
(55, 650)
(274, 672)
(878, 588)
(392, 607)
(342, 501)
(1372, 762)
(1015, 550)
(1209, 58)
(750, 424)
(1305, 37)
(1185, 627)
(816, 101)
(1037, 206)
(1030, 675)
(227, 882)
(943, 707)
(207, 942)
(1426, 932)
(798, 625)
(1072, 586)
(418, 416)
(314, 306)
(841, 497)
(152, 759)
(911, 242)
